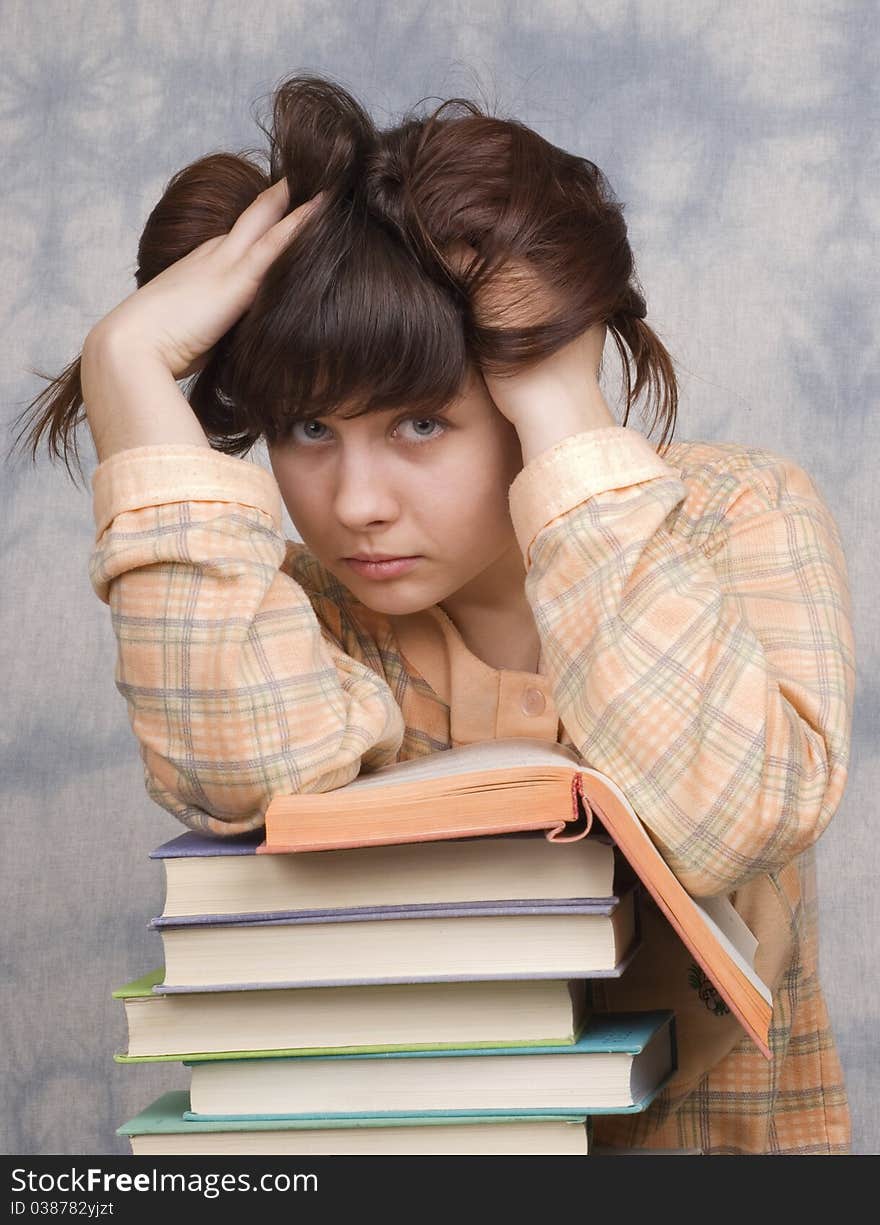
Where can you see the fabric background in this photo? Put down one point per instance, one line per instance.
(739, 135)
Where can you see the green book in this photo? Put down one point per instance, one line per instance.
(361, 1019)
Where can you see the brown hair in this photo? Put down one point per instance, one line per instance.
(364, 306)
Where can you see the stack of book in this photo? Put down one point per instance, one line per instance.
(403, 966)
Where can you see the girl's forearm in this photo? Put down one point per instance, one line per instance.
(131, 398)
(554, 416)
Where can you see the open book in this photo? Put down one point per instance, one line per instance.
(502, 786)
(491, 787)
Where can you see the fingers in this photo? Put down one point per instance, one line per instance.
(266, 213)
(262, 213)
(270, 245)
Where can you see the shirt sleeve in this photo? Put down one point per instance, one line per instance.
(698, 636)
(236, 691)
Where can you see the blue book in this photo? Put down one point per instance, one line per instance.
(163, 1128)
(618, 1065)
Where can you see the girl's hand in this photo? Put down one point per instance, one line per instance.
(181, 313)
(556, 396)
(565, 382)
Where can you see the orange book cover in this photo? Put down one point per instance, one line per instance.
(490, 787)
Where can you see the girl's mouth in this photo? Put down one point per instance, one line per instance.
(382, 569)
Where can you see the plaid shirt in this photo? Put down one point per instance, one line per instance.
(695, 620)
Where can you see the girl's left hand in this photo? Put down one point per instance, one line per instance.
(568, 379)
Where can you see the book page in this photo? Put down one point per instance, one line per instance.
(733, 925)
(731, 932)
(483, 755)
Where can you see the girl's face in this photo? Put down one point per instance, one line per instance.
(429, 488)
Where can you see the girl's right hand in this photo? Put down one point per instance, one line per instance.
(180, 314)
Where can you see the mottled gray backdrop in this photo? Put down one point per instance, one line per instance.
(742, 136)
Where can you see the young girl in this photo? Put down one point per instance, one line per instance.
(414, 322)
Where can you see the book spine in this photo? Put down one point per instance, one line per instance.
(581, 817)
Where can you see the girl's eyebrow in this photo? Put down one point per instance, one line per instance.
(392, 412)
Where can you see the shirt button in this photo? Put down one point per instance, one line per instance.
(533, 702)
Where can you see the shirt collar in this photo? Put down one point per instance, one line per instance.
(485, 703)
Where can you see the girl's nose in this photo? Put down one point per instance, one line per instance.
(363, 494)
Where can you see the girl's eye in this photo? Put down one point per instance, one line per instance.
(310, 431)
(434, 427)
(424, 429)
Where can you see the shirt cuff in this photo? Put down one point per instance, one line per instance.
(573, 470)
(179, 472)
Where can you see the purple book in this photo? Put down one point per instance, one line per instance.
(193, 843)
(424, 910)
(420, 944)
(212, 880)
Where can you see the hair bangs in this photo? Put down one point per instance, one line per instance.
(382, 335)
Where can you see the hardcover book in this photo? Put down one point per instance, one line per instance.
(491, 787)
(566, 939)
(206, 875)
(348, 1020)
(163, 1129)
(618, 1064)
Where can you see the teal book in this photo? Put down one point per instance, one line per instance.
(164, 1128)
(618, 1065)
